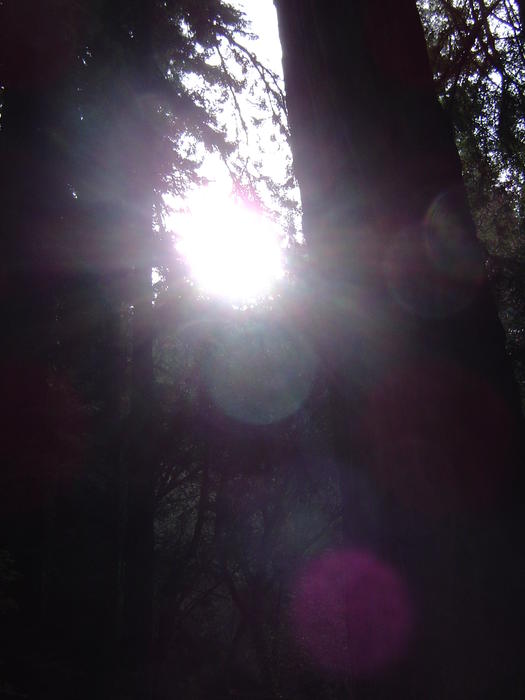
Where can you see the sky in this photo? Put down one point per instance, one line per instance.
(273, 153)
(263, 18)
(226, 255)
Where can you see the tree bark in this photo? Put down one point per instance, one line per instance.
(424, 401)
(139, 467)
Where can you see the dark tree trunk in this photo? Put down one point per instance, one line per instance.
(138, 462)
(33, 198)
(425, 409)
(137, 501)
(39, 406)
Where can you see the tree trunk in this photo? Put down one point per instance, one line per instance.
(138, 466)
(33, 200)
(424, 403)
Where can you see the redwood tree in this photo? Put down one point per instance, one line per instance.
(425, 408)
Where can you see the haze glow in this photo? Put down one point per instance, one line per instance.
(233, 251)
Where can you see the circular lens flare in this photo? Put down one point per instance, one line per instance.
(233, 250)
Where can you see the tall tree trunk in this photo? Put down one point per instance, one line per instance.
(139, 468)
(424, 402)
(137, 508)
(33, 195)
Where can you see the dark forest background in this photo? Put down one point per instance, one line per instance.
(314, 498)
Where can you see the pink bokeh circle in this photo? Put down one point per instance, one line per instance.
(352, 613)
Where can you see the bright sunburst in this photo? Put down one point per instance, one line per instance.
(232, 250)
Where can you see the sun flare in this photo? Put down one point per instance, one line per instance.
(233, 251)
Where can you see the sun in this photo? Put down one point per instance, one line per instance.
(232, 250)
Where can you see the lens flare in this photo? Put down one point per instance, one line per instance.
(232, 249)
(259, 373)
(352, 613)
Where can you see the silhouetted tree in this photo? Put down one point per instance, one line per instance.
(424, 402)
